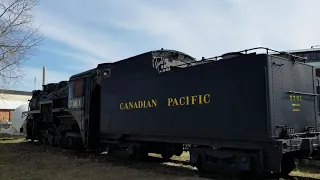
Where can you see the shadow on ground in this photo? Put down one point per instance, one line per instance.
(42, 159)
(44, 162)
(153, 164)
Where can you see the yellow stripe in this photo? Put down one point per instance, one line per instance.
(296, 110)
(295, 105)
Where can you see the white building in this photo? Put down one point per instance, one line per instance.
(10, 100)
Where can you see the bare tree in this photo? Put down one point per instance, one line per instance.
(18, 38)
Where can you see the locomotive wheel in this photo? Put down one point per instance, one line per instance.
(287, 165)
(132, 150)
(200, 165)
(109, 149)
(50, 140)
(70, 142)
(256, 169)
(76, 144)
(57, 140)
(43, 140)
(143, 154)
(137, 152)
(64, 142)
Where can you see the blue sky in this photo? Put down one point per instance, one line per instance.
(80, 34)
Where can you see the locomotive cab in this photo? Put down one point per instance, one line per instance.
(318, 88)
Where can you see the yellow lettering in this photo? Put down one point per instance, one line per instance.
(206, 98)
(295, 98)
(182, 101)
(187, 100)
(170, 100)
(138, 104)
(154, 102)
(193, 99)
(149, 104)
(130, 105)
(200, 99)
(175, 102)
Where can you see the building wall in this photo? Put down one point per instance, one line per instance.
(5, 115)
(10, 100)
(14, 97)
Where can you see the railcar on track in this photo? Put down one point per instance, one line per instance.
(238, 113)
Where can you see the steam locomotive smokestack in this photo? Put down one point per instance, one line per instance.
(43, 76)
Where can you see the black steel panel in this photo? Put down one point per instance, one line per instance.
(149, 63)
(237, 108)
(296, 110)
(76, 102)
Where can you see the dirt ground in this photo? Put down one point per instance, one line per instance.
(21, 160)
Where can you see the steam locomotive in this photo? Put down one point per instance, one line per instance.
(241, 112)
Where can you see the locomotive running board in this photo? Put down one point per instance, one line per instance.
(60, 110)
(38, 111)
(29, 112)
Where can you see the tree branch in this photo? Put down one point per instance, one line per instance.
(18, 37)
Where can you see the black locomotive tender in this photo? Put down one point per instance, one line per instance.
(240, 112)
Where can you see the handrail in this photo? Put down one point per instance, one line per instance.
(293, 57)
(243, 52)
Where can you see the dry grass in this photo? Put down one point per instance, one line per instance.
(312, 172)
(302, 171)
(24, 161)
(184, 157)
(6, 138)
(11, 140)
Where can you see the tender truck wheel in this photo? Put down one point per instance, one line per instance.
(167, 154)
(70, 142)
(200, 165)
(287, 165)
(132, 150)
(137, 151)
(50, 140)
